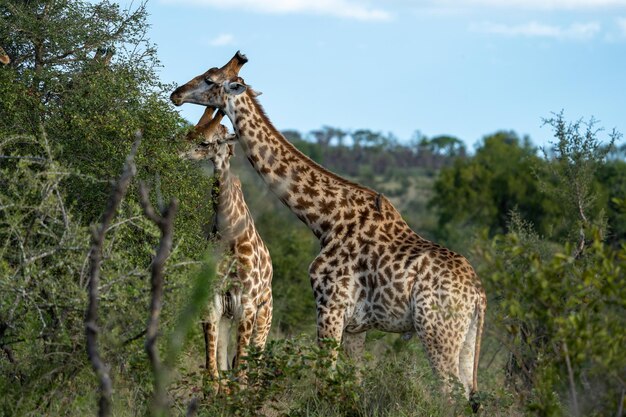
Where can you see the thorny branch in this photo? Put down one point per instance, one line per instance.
(91, 316)
(165, 222)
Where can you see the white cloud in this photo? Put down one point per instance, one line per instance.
(350, 9)
(223, 39)
(583, 5)
(578, 31)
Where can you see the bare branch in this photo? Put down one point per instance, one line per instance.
(570, 378)
(165, 223)
(135, 337)
(91, 316)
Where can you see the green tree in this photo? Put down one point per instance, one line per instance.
(559, 298)
(482, 190)
(570, 174)
(83, 76)
(81, 84)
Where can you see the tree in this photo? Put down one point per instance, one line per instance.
(560, 296)
(83, 80)
(80, 85)
(569, 175)
(482, 190)
(444, 145)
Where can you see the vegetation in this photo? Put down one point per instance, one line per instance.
(545, 230)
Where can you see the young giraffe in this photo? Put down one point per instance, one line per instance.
(248, 297)
(372, 271)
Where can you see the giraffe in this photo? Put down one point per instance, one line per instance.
(246, 296)
(373, 271)
(4, 58)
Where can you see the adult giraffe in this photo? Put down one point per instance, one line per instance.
(372, 271)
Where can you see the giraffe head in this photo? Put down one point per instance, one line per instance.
(213, 88)
(217, 144)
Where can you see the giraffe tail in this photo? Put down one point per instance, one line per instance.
(481, 307)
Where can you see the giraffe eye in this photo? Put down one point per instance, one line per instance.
(208, 81)
(204, 144)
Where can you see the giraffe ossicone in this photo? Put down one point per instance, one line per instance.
(244, 294)
(373, 271)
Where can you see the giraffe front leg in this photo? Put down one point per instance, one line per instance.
(244, 335)
(354, 344)
(330, 329)
(222, 343)
(209, 328)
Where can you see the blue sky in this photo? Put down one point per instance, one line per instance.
(465, 68)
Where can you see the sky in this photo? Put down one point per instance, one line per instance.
(465, 68)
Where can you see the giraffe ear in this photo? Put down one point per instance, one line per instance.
(235, 88)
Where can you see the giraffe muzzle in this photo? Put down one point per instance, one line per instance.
(177, 98)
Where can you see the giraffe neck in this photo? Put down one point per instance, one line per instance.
(231, 213)
(317, 196)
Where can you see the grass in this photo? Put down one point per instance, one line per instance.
(295, 380)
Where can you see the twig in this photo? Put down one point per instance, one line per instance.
(9, 352)
(91, 316)
(495, 354)
(31, 158)
(135, 337)
(570, 377)
(165, 223)
(620, 406)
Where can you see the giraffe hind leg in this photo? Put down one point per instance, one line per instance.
(441, 343)
(467, 355)
(263, 323)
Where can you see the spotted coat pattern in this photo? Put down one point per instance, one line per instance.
(245, 295)
(373, 271)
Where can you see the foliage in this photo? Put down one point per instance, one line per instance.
(570, 177)
(560, 304)
(555, 308)
(482, 190)
(293, 377)
(84, 75)
(81, 83)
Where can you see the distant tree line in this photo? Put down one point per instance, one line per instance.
(349, 151)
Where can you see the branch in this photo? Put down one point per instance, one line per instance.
(165, 223)
(570, 378)
(135, 337)
(95, 257)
